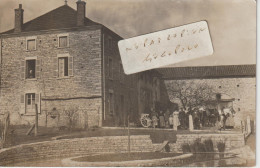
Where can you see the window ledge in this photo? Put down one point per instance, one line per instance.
(63, 47)
(31, 79)
(30, 50)
(66, 77)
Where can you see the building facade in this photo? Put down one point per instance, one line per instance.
(71, 68)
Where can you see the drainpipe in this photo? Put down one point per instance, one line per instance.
(103, 77)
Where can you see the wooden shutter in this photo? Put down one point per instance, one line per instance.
(55, 67)
(70, 67)
(31, 44)
(38, 102)
(22, 69)
(38, 68)
(22, 104)
(63, 41)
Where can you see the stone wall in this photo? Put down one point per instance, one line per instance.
(74, 147)
(231, 140)
(84, 82)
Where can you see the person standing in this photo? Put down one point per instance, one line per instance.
(154, 118)
(166, 117)
(176, 121)
(182, 118)
(161, 119)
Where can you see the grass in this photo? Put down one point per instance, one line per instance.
(118, 157)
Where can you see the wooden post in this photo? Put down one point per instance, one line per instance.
(128, 136)
(36, 120)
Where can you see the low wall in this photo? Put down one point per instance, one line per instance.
(231, 140)
(74, 147)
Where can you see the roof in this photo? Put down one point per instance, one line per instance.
(62, 17)
(203, 72)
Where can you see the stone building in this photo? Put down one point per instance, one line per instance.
(233, 85)
(70, 67)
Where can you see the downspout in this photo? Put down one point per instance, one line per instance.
(103, 116)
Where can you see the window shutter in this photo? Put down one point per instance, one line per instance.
(70, 66)
(22, 104)
(31, 44)
(23, 69)
(55, 67)
(38, 102)
(38, 68)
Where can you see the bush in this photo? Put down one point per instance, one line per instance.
(221, 146)
(209, 145)
(198, 146)
(186, 148)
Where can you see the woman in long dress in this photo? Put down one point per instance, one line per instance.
(176, 121)
(161, 119)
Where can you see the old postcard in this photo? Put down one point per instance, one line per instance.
(127, 83)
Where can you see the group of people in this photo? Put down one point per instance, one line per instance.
(201, 117)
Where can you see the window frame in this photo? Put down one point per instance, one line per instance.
(35, 44)
(31, 99)
(66, 55)
(66, 67)
(24, 101)
(63, 35)
(35, 69)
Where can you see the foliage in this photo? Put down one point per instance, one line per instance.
(190, 93)
(185, 148)
(209, 145)
(72, 114)
(221, 146)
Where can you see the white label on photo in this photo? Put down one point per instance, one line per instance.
(166, 47)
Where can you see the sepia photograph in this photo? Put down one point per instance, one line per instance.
(128, 83)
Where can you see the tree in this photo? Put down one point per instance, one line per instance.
(189, 93)
(72, 115)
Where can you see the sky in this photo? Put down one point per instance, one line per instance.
(232, 23)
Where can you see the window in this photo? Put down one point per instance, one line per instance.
(219, 87)
(63, 65)
(63, 41)
(30, 103)
(110, 68)
(237, 85)
(111, 103)
(30, 69)
(31, 43)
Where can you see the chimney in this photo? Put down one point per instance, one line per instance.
(81, 12)
(18, 21)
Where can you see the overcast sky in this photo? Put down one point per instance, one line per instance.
(232, 23)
